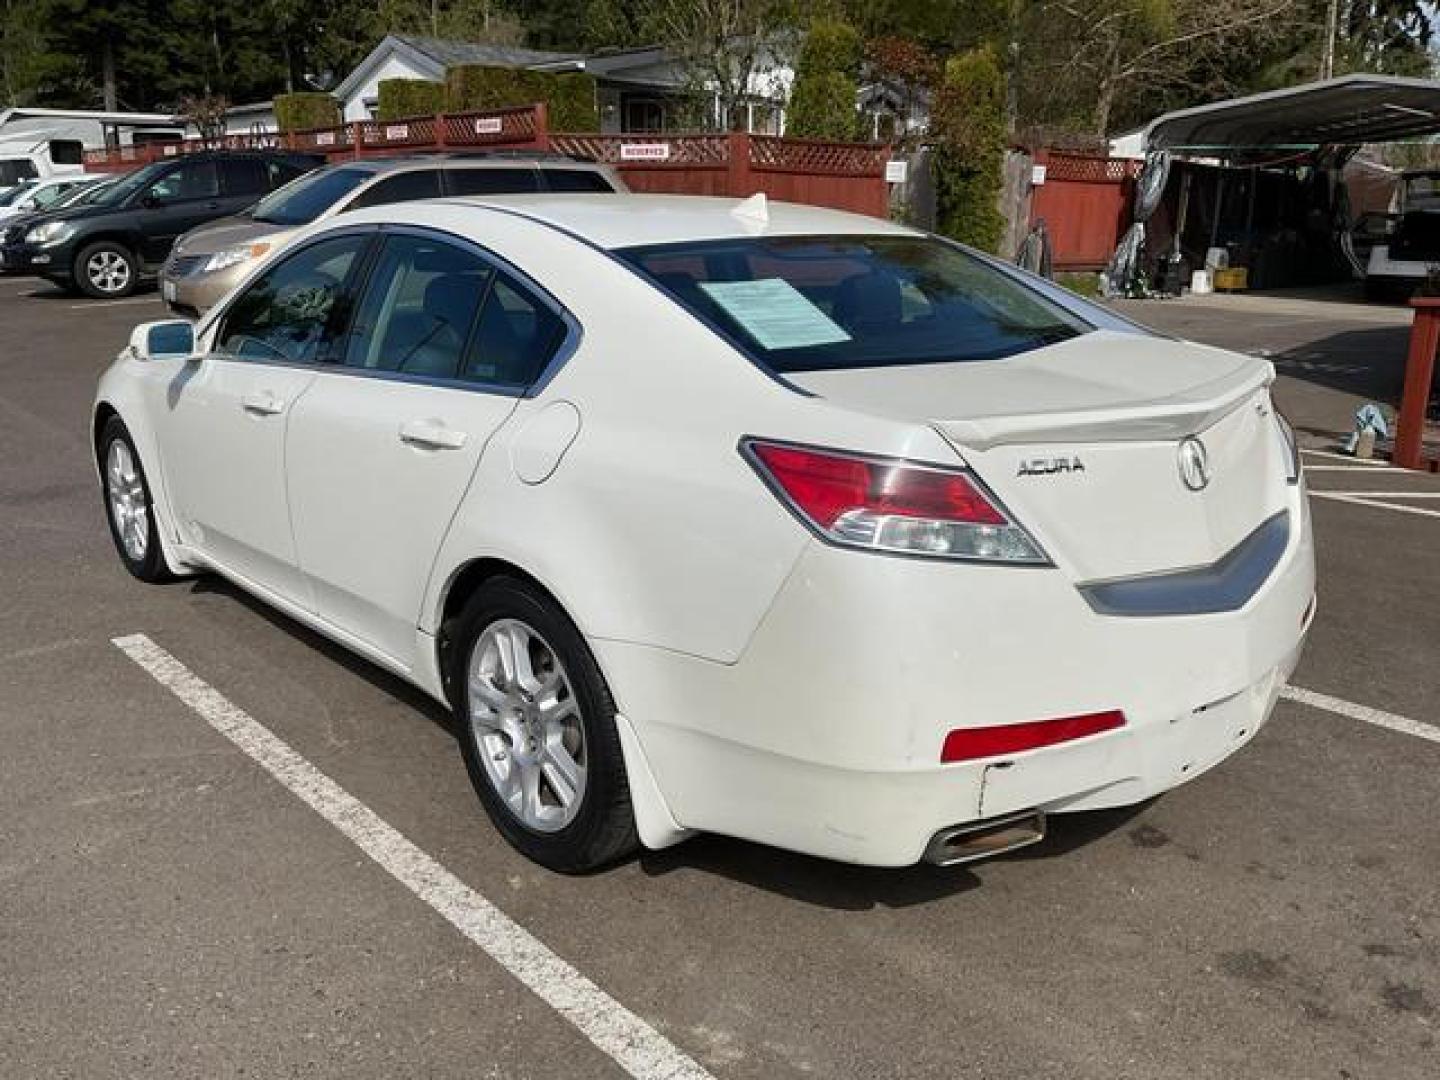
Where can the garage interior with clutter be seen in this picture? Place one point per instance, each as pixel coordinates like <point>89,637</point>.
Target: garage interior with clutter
<point>1284,190</point>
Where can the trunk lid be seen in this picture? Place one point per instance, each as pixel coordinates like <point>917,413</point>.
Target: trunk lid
<point>1082,442</point>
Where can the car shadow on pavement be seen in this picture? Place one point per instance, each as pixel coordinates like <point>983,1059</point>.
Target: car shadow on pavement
<point>844,887</point>
<point>44,290</point>
<point>1369,363</point>
<point>382,680</point>
<point>807,879</point>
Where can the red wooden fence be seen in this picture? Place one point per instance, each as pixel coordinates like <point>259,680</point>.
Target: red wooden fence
<point>846,176</point>
<point>1085,202</point>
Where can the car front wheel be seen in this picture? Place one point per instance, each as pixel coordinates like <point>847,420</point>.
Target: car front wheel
<point>106,270</point>
<point>128,505</point>
<point>537,729</point>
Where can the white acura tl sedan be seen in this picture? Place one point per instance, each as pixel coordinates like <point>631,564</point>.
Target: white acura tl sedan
<point>776,522</point>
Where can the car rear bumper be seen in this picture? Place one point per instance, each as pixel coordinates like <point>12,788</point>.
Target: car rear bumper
<point>826,736</point>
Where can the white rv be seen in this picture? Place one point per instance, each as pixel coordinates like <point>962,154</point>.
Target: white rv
<point>41,143</point>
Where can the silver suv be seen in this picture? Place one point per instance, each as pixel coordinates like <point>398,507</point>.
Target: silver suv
<point>207,261</point>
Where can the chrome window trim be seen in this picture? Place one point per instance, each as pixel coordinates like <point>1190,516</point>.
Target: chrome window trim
<point>1227,584</point>
<point>574,332</point>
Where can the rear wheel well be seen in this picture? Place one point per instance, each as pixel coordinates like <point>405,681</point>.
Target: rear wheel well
<point>466,582</point>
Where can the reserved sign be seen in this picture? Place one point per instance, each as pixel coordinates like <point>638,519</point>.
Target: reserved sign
<point>658,151</point>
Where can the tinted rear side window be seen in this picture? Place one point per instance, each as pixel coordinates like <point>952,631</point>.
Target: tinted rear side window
<point>243,177</point>
<point>516,337</point>
<point>577,180</point>
<point>14,170</point>
<point>491,181</point>
<point>815,303</point>
<point>402,187</point>
<point>302,202</point>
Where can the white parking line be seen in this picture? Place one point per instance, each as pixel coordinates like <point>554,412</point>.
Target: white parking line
<point>1365,462</point>
<point>1343,468</point>
<point>1377,504</point>
<point>1392,494</point>
<point>1349,709</point>
<point>637,1047</point>
<point>112,303</point>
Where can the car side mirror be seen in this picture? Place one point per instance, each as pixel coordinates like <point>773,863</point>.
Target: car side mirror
<point>150,200</point>
<point>166,338</point>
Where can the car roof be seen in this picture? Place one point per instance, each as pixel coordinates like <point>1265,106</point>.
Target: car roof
<point>619,221</point>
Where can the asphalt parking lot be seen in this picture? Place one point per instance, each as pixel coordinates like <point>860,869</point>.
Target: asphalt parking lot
<point>168,907</point>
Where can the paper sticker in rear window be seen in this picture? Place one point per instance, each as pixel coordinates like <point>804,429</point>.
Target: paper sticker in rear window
<point>774,313</point>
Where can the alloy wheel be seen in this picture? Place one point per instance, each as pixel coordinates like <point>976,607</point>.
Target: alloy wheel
<point>129,507</point>
<point>527,725</point>
<point>108,271</point>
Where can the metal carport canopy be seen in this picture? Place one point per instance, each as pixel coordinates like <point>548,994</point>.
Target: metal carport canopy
<point>1349,110</point>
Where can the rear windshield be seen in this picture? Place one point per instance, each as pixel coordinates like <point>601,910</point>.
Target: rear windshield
<point>818,303</point>
<point>302,201</point>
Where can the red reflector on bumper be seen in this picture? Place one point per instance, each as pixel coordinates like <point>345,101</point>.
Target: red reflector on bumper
<point>967,744</point>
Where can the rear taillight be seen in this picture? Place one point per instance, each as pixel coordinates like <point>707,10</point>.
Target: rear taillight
<point>968,744</point>
<point>891,505</point>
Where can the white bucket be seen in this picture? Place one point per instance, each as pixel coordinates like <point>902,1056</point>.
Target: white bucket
<point>1200,283</point>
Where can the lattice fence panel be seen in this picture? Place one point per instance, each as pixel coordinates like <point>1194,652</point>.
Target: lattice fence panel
<point>491,126</point>
<point>817,157</point>
<point>1088,169</point>
<point>659,151</point>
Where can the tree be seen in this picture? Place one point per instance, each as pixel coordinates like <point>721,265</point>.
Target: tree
<point>728,47</point>
<point>968,126</point>
<point>822,101</point>
<point>1110,46</point>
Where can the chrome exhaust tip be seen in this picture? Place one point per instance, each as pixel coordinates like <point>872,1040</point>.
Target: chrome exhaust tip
<point>982,839</point>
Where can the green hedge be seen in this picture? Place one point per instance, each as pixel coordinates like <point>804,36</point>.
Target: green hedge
<point>297,112</point>
<point>399,98</point>
<point>822,106</point>
<point>570,97</point>
<point>968,125</point>
<point>822,102</point>
<point>831,45</point>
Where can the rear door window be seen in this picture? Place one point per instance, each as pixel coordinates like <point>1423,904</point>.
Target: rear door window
<point>419,308</point>
<point>402,187</point>
<point>245,176</point>
<point>504,181</point>
<point>517,337</point>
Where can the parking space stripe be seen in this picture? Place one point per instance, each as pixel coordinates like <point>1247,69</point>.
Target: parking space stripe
<point>112,303</point>
<point>1365,713</point>
<point>1377,504</point>
<point>1395,493</point>
<point>637,1047</point>
<point>1363,462</point>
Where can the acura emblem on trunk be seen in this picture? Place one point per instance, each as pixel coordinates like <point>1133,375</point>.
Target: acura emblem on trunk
<point>1194,464</point>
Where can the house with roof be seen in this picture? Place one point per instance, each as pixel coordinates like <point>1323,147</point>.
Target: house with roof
<point>638,90</point>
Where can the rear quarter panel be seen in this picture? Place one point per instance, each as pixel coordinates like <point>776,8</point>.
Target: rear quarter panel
<point>653,529</point>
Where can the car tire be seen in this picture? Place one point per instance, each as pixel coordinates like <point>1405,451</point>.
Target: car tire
<point>129,508</point>
<point>534,728</point>
<point>106,270</point>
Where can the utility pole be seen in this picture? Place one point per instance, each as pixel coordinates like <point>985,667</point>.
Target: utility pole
<point>1327,59</point>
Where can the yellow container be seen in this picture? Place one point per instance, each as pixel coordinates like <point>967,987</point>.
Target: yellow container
<point>1232,279</point>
